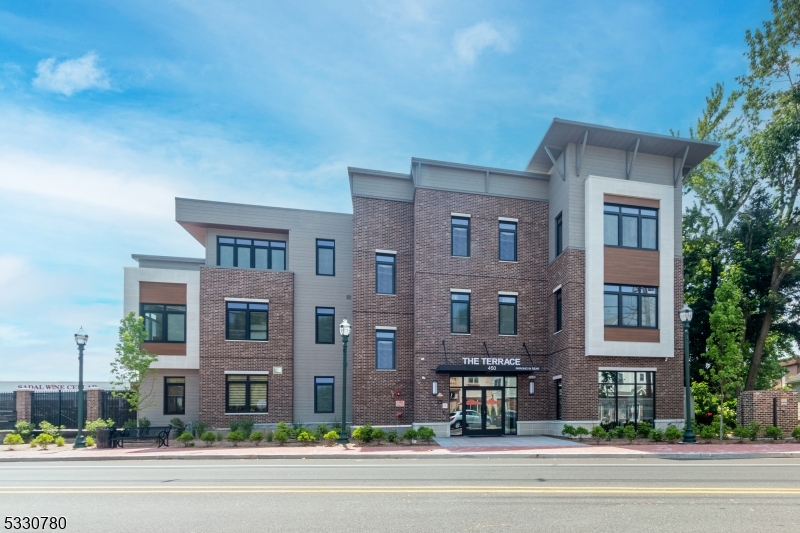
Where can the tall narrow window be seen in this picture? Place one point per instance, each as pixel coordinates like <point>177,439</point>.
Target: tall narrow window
<point>459,236</point>
<point>559,390</point>
<point>459,312</point>
<point>508,315</point>
<point>246,393</point>
<point>508,241</point>
<point>326,257</point>
<point>251,253</point>
<point>558,310</point>
<point>323,395</point>
<point>629,306</point>
<point>325,318</point>
<point>384,273</point>
<point>163,322</point>
<point>559,235</point>
<point>174,395</point>
<point>631,227</point>
<point>385,344</point>
<point>247,321</point>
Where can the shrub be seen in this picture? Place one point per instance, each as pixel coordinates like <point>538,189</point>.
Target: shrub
<point>283,426</point>
<point>281,436</point>
<point>246,427</point>
<point>306,437</point>
<point>629,432</point>
<point>268,435</point>
<point>199,428</point>
<point>178,425</point>
<point>60,442</point>
<point>256,437</point>
<point>410,435</point>
<point>24,430</point>
<point>322,429</point>
<point>92,427</point>
<point>755,430</point>
<point>13,439</point>
<point>219,436</point>
<point>186,438</point>
<point>208,437</point>
<point>44,440</point>
<point>672,433</point>
<point>796,433</point>
<point>568,431</point>
<point>297,428</point>
<point>656,435</point>
<point>425,434</point>
<point>90,441</point>
<point>363,434</point>
<point>643,430</point>
<point>129,423</point>
<point>618,432</point>
<point>773,432</point>
<point>707,433</point>
<point>50,429</point>
<point>378,435</point>
<point>581,432</point>
<point>235,437</point>
<point>741,432</point>
<point>391,436</point>
<point>233,425</point>
<point>598,433</point>
<point>144,422</point>
<point>331,437</point>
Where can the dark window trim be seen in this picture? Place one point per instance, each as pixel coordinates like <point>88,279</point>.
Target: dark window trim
<point>559,311</point>
<point>394,272</point>
<point>500,305</point>
<point>559,234</point>
<point>253,248</point>
<point>635,383</point>
<point>316,324</point>
<point>246,394</point>
<point>166,320</point>
<point>394,348</point>
<point>469,313</point>
<point>333,393</point>
<point>639,217</point>
<point>327,247</point>
<point>469,235</point>
<point>500,231</point>
<point>559,397</point>
<point>639,310</point>
<point>246,320</point>
<point>166,395</point>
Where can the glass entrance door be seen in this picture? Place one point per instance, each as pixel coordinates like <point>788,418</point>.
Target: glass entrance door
<point>483,411</point>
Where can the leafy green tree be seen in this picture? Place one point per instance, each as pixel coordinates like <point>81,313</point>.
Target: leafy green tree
<point>131,369</point>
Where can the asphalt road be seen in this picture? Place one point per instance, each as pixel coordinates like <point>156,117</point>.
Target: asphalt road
<point>429,495</point>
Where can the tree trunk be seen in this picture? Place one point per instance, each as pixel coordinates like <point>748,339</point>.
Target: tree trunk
<point>758,351</point>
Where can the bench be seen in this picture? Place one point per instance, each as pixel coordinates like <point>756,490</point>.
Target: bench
<point>158,434</point>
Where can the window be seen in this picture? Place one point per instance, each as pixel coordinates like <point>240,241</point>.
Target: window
<point>246,393</point>
<point>626,397</point>
<point>247,321</point>
<point>251,253</point>
<point>384,273</point>
<point>459,312</point>
<point>508,241</point>
<point>558,310</point>
<point>174,396</point>
<point>323,395</point>
<point>326,257</point>
<point>164,322</point>
<point>385,344</point>
<point>508,315</point>
<point>325,316</point>
<point>632,307</point>
<point>631,227</point>
<point>559,235</point>
<point>459,236</point>
<point>559,391</point>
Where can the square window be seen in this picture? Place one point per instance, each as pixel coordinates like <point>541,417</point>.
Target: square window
<point>246,393</point>
<point>164,323</point>
<point>247,321</point>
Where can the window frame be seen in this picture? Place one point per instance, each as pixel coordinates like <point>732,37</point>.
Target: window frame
<point>500,305</point>
<point>639,295</point>
<point>322,245</point>
<point>559,311</point>
<point>461,226</point>
<point>469,312</point>
<point>247,311</point>
<point>317,314</point>
<point>394,347</point>
<point>269,246</point>
<point>559,384</point>
<point>636,398</point>
<point>559,234</point>
<point>247,393</point>
<point>167,386</point>
<point>639,217</point>
<point>394,271</point>
<point>165,314</point>
<point>500,231</point>
<point>332,385</point>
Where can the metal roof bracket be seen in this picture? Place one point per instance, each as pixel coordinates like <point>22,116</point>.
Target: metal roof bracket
<point>553,160</point>
<point>679,170</point>
<point>579,155</point>
<point>629,165</point>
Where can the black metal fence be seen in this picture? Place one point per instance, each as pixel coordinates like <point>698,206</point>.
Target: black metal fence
<point>59,408</point>
<point>8,409</point>
<point>115,408</point>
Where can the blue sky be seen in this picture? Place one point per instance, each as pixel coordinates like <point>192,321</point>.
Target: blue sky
<point>108,110</point>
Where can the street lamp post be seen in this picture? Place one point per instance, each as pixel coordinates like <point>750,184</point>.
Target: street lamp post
<point>344,331</point>
<point>81,338</point>
<point>685,315</point>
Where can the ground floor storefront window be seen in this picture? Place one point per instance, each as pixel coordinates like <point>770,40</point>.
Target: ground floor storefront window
<point>626,397</point>
<point>483,405</point>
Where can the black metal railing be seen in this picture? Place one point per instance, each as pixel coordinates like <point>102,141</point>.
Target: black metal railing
<point>59,408</point>
<point>8,410</point>
<point>115,408</point>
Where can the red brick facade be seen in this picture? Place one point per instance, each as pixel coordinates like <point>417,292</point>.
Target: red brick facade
<point>768,407</point>
<point>218,355</point>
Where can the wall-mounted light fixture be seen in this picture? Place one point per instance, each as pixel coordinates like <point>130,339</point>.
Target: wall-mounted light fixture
<point>435,388</point>
<point>531,387</point>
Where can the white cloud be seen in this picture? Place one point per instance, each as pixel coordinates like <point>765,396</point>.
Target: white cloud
<point>71,76</point>
<point>470,42</point>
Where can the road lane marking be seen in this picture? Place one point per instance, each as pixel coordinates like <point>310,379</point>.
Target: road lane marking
<point>689,464</point>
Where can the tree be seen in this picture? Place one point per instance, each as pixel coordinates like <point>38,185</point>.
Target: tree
<point>131,369</point>
<point>724,352</point>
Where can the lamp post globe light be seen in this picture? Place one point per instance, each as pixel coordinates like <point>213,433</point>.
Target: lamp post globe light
<point>81,338</point>
<point>685,314</point>
<point>344,331</point>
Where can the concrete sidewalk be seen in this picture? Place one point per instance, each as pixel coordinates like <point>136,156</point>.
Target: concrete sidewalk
<point>666,451</point>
